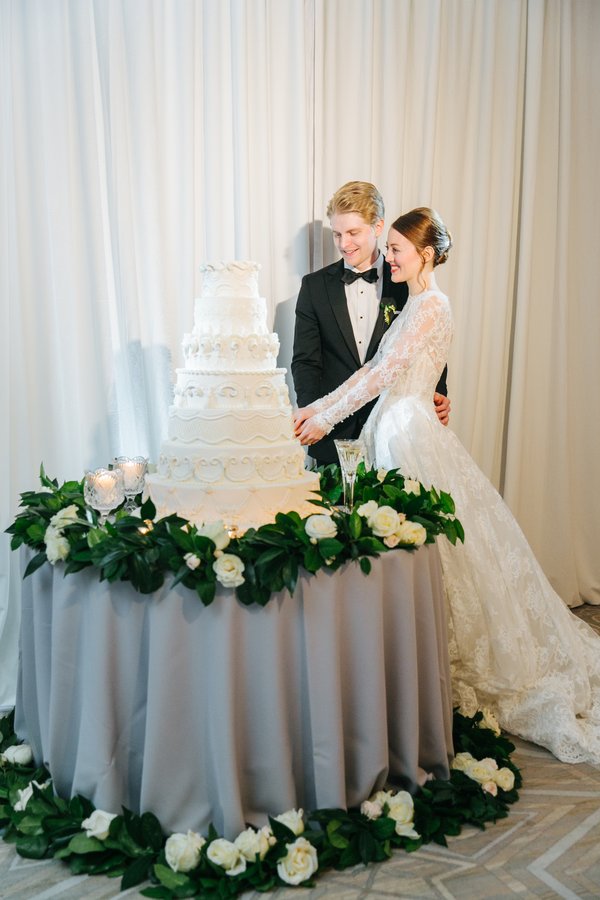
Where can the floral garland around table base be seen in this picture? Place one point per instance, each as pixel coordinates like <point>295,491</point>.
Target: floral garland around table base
<point>293,849</point>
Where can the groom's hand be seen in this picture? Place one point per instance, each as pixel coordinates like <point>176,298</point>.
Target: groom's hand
<point>442,408</point>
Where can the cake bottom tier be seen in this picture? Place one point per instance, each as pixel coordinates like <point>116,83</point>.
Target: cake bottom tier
<point>241,506</point>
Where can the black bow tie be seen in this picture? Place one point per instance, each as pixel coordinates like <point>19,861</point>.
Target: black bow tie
<point>349,277</point>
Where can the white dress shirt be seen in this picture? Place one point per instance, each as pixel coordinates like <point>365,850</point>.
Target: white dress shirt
<point>363,301</point>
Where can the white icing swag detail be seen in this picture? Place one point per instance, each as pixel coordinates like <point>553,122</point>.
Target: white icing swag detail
<point>231,452</point>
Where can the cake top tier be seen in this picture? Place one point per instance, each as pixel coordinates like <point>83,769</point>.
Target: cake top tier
<point>230,279</point>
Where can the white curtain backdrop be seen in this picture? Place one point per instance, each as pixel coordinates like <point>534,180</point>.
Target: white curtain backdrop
<point>139,138</point>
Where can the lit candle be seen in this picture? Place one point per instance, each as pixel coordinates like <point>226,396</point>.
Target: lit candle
<point>103,490</point>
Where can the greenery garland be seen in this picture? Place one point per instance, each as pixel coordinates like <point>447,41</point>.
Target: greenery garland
<point>293,849</point>
<point>390,512</point>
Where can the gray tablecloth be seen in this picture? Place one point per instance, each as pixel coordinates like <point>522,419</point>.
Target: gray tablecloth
<point>226,714</point>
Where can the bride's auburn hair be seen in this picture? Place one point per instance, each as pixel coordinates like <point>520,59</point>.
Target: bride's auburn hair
<point>423,227</point>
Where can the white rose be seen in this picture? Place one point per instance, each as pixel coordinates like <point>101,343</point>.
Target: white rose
<point>505,779</point>
<point>66,516</point>
<point>266,830</point>
<point>406,829</point>
<point>368,509</point>
<point>401,808</point>
<point>482,770</point>
<point>490,787</point>
<point>97,824</point>
<point>411,533</point>
<point>253,843</point>
<point>225,854</point>
<point>192,561</point>
<point>182,851</point>
<point>384,522</point>
<point>320,526</point>
<point>25,795</point>
<point>57,546</point>
<point>381,473</point>
<point>294,819</point>
<point>18,755</point>
<point>370,809</point>
<point>411,486</point>
<point>382,797</point>
<point>462,761</point>
<point>490,721</point>
<point>228,569</point>
<point>217,532</point>
<point>300,864</point>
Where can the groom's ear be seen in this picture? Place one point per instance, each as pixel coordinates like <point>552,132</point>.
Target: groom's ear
<point>378,227</point>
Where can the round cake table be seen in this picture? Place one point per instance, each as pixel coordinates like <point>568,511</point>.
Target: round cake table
<point>226,713</point>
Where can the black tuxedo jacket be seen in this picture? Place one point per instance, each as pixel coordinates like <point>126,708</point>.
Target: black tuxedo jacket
<point>325,352</point>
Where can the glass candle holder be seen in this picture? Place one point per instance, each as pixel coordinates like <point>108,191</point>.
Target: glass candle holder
<point>350,454</point>
<point>134,470</point>
<point>103,490</point>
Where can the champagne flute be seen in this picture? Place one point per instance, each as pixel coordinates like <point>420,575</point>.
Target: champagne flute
<point>350,453</point>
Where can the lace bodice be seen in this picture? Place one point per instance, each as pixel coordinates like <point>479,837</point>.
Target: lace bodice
<point>409,361</point>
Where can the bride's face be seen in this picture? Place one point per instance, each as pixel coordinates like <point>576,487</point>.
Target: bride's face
<point>405,260</point>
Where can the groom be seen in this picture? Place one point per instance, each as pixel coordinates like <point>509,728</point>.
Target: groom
<point>344,309</point>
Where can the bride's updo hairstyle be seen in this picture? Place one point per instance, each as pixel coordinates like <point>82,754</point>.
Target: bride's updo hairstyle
<point>424,228</point>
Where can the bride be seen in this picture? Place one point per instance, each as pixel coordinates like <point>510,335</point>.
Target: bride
<point>514,645</point>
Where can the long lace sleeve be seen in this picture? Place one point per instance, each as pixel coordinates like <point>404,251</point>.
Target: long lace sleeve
<point>427,328</point>
<point>329,399</point>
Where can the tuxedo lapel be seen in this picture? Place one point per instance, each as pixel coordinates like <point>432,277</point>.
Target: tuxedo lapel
<point>339,306</point>
<point>388,297</point>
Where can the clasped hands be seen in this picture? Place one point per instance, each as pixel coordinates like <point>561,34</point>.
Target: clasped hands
<point>305,429</point>
<point>309,432</point>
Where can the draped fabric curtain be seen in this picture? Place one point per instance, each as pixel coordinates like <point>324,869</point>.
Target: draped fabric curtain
<point>140,138</point>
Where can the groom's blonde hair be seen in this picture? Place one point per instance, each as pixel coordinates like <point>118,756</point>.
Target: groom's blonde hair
<point>360,197</point>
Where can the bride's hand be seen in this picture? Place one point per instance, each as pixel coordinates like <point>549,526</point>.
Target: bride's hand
<point>300,416</point>
<point>305,428</point>
<point>309,432</point>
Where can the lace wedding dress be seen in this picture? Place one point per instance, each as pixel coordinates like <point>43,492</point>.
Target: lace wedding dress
<point>514,645</point>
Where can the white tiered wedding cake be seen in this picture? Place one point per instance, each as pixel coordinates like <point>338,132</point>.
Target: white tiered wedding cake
<point>231,453</point>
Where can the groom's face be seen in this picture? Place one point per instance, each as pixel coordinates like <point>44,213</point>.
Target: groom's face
<point>355,239</point>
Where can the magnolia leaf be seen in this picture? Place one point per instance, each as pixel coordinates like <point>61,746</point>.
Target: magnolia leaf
<point>312,558</point>
<point>81,843</point>
<point>365,564</point>
<point>335,839</point>
<point>95,536</point>
<point>138,871</point>
<point>367,847</point>
<point>169,878</point>
<point>34,564</point>
<point>355,525</point>
<point>349,857</point>
<point>281,832</point>
<point>32,846</point>
<point>206,591</point>
<point>152,831</point>
<point>30,824</point>
<point>290,574</point>
<point>329,547</point>
<point>147,510</point>
<point>383,828</point>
